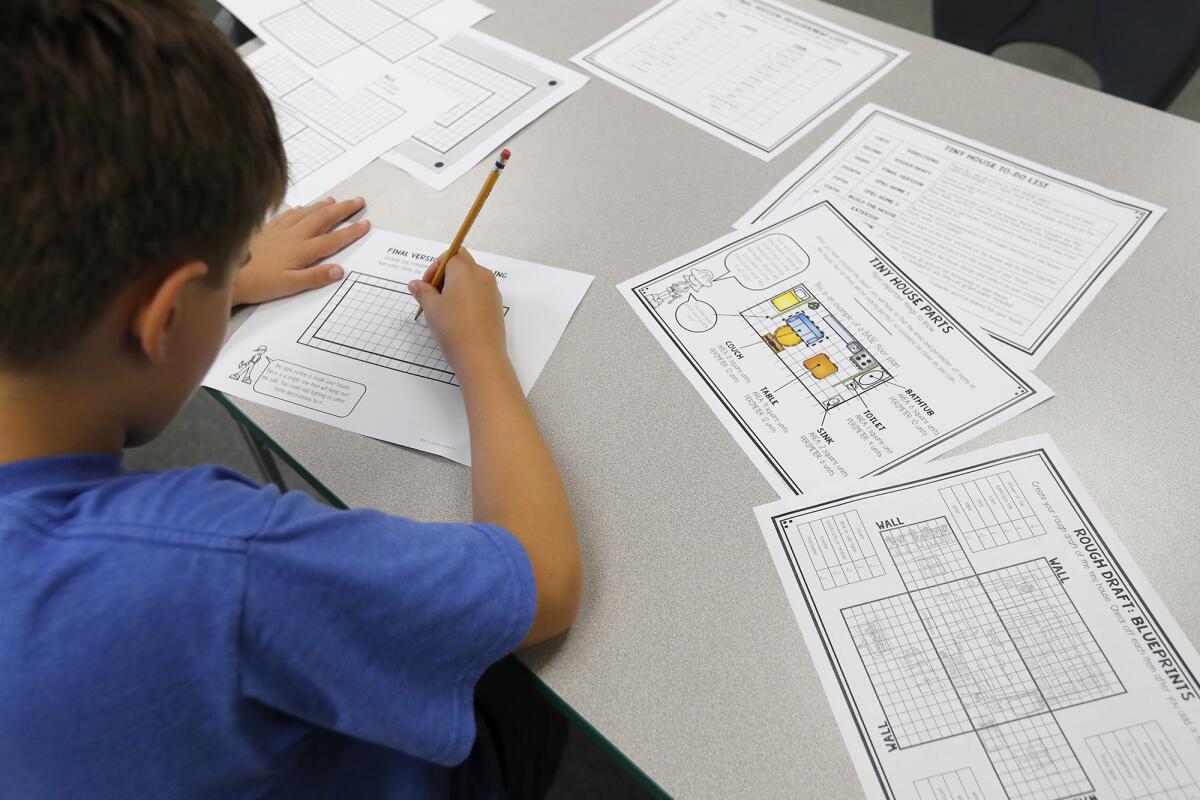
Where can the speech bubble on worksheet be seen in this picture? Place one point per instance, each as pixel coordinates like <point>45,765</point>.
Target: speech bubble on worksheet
<point>765,261</point>
<point>310,388</point>
<point>695,315</point>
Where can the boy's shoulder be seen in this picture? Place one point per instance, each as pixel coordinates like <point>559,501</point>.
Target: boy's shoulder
<point>91,495</point>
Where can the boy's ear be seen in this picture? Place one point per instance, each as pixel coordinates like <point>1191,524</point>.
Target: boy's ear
<point>159,309</point>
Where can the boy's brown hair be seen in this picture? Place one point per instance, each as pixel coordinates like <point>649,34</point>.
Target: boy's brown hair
<point>132,139</point>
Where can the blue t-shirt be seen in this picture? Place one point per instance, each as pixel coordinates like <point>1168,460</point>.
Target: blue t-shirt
<point>191,634</point>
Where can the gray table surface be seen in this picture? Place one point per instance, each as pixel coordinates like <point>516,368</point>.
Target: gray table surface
<point>685,654</point>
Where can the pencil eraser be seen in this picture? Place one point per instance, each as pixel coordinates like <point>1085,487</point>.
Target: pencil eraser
<point>506,154</point>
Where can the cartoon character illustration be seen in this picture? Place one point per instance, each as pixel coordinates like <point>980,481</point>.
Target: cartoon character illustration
<point>689,282</point>
<point>246,368</point>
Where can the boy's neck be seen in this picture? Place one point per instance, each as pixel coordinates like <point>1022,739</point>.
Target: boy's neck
<point>51,413</point>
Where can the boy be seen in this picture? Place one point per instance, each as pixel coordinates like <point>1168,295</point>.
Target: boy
<point>192,634</point>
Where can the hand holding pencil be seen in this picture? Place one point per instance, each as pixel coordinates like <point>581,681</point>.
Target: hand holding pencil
<point>463,302</point>
<point>481,198</point>
<point>466,317</point>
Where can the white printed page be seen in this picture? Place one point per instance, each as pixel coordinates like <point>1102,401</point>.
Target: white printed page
<point>346,44</point>
<point>1017,247</point>
<point>352,356</point>
<point>755,73</point>
<point>495,89</point>
<point>823,358</point>
<point>982,633</point>
<point>328,138</point>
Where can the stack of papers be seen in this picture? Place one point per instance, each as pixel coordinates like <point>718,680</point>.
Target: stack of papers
<point>354,79</point>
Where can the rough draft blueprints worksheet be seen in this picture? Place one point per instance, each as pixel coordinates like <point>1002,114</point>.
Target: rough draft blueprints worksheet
<point>495,89</point>
<point>755,73</point>
<point>352,356</point>
<point>982,634</point>
<point>346,44</point>
<point>327,137</point>
<point>824,359</point>
<point>1019,248</point>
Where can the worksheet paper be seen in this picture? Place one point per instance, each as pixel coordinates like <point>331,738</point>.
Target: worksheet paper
<point>754,73</point>
<point>824,359</point>
<point>1017,247</point>
<point>982,634</point>
<point>496,90</point>
<point>352,356</point>
<point>328,138</point>
<point>346,44</point>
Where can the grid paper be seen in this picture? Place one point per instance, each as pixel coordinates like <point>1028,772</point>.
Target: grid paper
<point>280,75</point>
<point>359,19</point>
<point>307,152</point>
<point>1034,760</point>
<point>926,553</point>
<point>1010,649</point>
<point>401,41</point>
<point>918,699</point>
<point>353,120</point>
<point>408,8</point>
<point>484,93</point>
<point>289,124</point>
<point>309,36</point>
<point>370,319</point>
<point>320,31</point>
<point>985,666</point>
<point>1059,648</point>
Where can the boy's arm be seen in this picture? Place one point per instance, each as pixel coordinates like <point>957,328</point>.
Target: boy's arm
<point>283,253</point>
<point>515,482</point>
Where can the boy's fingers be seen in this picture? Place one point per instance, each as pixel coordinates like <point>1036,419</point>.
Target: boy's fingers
<point>424,293</point>
<point>284,218</point>
<point>431,270</point>
<point>297,213</point>
<point>314,277</point>
<point>326,245</point>
<point>325,217</point>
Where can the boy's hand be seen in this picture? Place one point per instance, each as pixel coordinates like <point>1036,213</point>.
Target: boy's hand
<point>466,316</point>
<point>283,253</point>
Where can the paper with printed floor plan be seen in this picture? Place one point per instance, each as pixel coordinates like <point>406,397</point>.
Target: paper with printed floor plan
<point>495,90</point>
<point>823,358</point>
<point>1018,248</point>
<point>328,138</point>
<point>346,44</point>
<point>982,634</point>
<point>754,73</point>
<point>352,356</point>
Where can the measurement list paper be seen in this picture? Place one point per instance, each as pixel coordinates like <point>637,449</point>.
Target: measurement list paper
<point>1019,248</point>
<point>982,634</point>
<point>754,73</point>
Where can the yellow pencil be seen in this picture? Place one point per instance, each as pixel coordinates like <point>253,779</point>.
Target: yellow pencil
<point>439,275</point>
